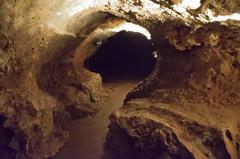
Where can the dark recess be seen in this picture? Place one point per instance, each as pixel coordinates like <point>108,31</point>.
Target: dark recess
<point>6,136</point>
<point>126,55</point>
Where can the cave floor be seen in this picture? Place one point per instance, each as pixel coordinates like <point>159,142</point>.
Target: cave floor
<point>87,136</point>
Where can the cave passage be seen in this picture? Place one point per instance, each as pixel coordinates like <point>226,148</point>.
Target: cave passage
<point>125,55</point>
<point>123,60</point>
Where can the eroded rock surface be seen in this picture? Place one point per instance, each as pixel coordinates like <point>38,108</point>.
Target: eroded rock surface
<point>193,109</point>
<point>193,94</point>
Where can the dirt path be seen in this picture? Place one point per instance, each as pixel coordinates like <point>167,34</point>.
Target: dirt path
<point>87,136</point>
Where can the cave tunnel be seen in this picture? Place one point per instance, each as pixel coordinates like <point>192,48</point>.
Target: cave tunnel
<point>81,79</point>
<point>125,55</point>
<point>122,60</point>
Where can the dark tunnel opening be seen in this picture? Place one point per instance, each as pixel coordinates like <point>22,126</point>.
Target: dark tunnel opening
<point>125,55</point>
<point>122,60</point>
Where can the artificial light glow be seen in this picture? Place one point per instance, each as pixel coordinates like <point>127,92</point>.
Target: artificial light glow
<point>150,6</point>
<point>155,54</point>
<point>61,32</point>
<point>78,6</point>
<point>235,16</point>
<point>133,28</point>
<point>187,4</point>
<point>191,4</point>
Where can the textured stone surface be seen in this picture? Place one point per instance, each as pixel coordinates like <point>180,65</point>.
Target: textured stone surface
<point>193,109</point>
<point>43,81</point>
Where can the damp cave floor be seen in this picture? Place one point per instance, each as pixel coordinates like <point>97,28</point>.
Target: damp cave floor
<point>87,136</point>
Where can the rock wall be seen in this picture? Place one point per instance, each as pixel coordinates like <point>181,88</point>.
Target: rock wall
<point>43,84</point>
<point>193,109</point>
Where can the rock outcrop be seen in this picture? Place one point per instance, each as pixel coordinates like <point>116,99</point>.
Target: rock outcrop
<point>193,109</point>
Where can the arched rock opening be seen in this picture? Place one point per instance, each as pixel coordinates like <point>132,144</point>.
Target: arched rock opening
<point>124,56</point>
<point>39,80</point>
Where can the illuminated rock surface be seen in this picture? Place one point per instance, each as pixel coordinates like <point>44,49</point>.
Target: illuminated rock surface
<point>187,108</point>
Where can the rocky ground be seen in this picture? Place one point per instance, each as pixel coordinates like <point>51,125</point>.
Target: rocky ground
<point>87,136</point>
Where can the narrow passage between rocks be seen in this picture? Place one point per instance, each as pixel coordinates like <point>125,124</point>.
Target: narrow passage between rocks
<point>123,61</point>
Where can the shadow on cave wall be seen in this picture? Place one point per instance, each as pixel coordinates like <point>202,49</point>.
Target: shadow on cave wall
<point>127,55</point>
<point>119,145</point>
<point>6,135</point>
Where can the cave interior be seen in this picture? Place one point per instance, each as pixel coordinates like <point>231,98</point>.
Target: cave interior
<point>117,79</point>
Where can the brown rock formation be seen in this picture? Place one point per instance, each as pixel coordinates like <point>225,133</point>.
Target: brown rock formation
<point>187,108</point>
